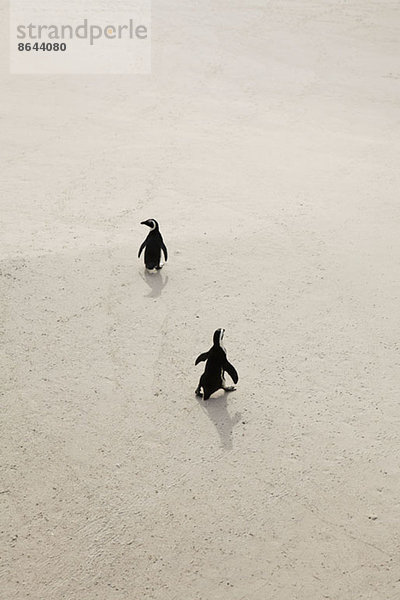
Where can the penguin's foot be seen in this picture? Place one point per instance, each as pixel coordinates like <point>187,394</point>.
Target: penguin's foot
<point>159,267</point>
<point>228,388</point>
<point>198,392</point>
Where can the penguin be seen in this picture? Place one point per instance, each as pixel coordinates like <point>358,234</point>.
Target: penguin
<point>217,363</point>
<point>154,243</point>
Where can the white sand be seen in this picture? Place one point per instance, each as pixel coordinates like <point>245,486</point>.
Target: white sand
<point>266,143</point>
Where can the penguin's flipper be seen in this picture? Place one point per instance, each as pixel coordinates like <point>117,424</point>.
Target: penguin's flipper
<point>201,357</point>
<point>230,369</point>
<point>164,249</point>
<point>142,247</point>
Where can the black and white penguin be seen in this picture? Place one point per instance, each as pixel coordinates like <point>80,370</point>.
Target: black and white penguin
<point>216,365</point>
<point>154,243</point>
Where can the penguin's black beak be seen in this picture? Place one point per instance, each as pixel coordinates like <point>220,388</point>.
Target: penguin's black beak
<point>145,223</point>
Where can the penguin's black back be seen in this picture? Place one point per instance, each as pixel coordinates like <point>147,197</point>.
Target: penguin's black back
<point>213,376</point>
<point>152,253</point>
<point>216,360</point>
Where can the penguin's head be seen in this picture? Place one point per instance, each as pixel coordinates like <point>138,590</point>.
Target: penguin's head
<point>152,223</point>
<point>218,337</point>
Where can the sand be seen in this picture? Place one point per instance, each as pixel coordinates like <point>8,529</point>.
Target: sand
<point>266,144</point>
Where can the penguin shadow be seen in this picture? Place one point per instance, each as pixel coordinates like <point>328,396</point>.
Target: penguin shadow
<point>156,282</point>
<point>217,411</point>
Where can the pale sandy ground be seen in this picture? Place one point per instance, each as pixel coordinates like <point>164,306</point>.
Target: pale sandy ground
<point>266,142</point>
